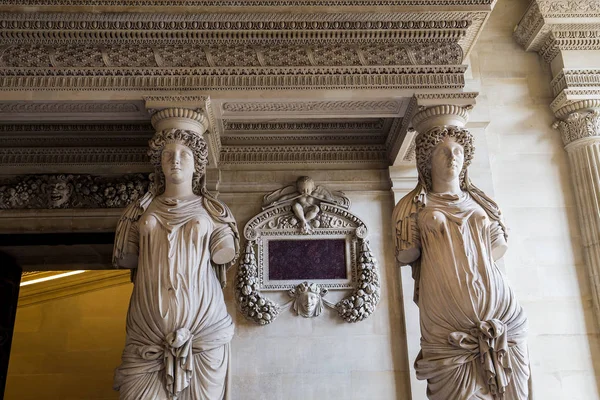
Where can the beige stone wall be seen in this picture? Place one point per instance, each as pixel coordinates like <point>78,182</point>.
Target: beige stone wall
<point>324,357</point>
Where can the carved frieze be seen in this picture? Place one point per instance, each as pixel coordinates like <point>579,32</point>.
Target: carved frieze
<point>71,191</point>
<point>22,156</point>
<point>303,154</point>
<point>255,3</point>
<point>375,124</point>
<point>314,107</point>
<point>242,78</point>
<point>575,78</point>
<point>308,244</point>
<point>229,55</point>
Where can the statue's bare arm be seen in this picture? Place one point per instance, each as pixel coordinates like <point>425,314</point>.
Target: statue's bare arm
<point>130,258</point>
<point>499,247</point>
<point>224,251</point>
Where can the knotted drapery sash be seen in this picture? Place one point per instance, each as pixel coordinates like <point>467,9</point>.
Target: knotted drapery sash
<point>489,342</point>
<point>174,355</point>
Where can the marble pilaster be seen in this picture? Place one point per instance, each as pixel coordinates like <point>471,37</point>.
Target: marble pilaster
<point>579,125</point>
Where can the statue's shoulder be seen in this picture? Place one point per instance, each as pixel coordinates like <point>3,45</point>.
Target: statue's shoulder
<point>410,204</point>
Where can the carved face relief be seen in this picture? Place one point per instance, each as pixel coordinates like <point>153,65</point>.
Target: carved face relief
<point>305,185</point>
<point>447,160</point>
<point>58,193</point>
<point>177,162</point>
<point>308,300</point>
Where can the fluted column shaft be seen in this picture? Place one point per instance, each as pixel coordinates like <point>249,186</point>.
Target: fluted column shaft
<point>580,131</point>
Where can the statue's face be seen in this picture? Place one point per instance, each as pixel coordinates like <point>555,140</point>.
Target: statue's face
<point>58,193</point>
<point>177,162</point>
<point>447,160</point>
<point>309,302</point>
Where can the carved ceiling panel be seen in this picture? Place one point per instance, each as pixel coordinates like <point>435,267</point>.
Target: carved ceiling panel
<point>343,48</point>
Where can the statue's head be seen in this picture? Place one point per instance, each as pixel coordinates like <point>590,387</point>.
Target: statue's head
<point>445,153</point>
<point>59,191</point>
<point>308,299</point>
<point>178,156</point>
<point>305,185</point>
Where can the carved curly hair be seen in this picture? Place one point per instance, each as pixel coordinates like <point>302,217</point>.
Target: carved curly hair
<point>190,139</point>
<point>426,143</point>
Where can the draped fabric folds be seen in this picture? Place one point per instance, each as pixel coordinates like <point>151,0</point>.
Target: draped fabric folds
<point>472,328</point>
<point>178,328</point>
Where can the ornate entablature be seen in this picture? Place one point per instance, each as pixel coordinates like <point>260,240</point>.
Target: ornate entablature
<point>306,242</point>
<point>239,51</point>
<point>571,28</point>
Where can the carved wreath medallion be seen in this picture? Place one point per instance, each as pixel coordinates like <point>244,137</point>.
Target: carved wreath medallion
<point>305,242</point>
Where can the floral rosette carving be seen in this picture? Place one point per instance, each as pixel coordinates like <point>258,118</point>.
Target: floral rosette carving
<point>251,303</point>
<point>364,299</point>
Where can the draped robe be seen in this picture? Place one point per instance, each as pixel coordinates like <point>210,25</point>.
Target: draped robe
<point>472,328</point>
<point>178,328</point>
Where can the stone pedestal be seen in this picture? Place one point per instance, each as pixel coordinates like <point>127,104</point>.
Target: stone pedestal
<point>580,130</point>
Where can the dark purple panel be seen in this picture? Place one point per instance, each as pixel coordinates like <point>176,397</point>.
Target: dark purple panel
<point>307,259</point>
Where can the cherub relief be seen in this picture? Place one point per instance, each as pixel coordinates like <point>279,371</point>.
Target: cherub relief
<point>305,198</point>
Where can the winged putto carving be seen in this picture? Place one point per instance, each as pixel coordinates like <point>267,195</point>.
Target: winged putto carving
<point>305,199</point>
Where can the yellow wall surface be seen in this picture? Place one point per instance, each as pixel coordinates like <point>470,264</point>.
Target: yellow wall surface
<point>68,348</point>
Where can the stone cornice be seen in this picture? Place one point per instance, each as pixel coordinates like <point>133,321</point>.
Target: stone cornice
<point>239,51</point>
<point>549,26</point>
<point>248,4</point>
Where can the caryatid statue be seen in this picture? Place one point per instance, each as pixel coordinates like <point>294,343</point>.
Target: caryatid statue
<point>473,330</point>
<point>180,239</point>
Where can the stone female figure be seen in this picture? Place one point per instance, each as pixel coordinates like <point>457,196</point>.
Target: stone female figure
<point>180,239</point>
<point>472,327</point>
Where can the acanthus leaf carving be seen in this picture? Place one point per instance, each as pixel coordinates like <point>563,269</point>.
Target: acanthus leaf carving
<point>579,125</point>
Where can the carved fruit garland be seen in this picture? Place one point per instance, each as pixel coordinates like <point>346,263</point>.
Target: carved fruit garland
<point>288,213</point>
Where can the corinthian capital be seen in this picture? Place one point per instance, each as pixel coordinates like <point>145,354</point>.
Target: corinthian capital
<point>579,120</point>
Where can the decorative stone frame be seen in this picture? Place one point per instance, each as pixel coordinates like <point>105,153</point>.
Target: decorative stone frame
<point>280,221</point>
<point>267,284</point>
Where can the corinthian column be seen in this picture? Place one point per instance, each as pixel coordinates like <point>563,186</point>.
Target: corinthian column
<point>579,125</point>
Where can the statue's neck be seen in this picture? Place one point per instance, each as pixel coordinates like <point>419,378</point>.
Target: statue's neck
<point>446,187</point>
<point>179,191</point>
